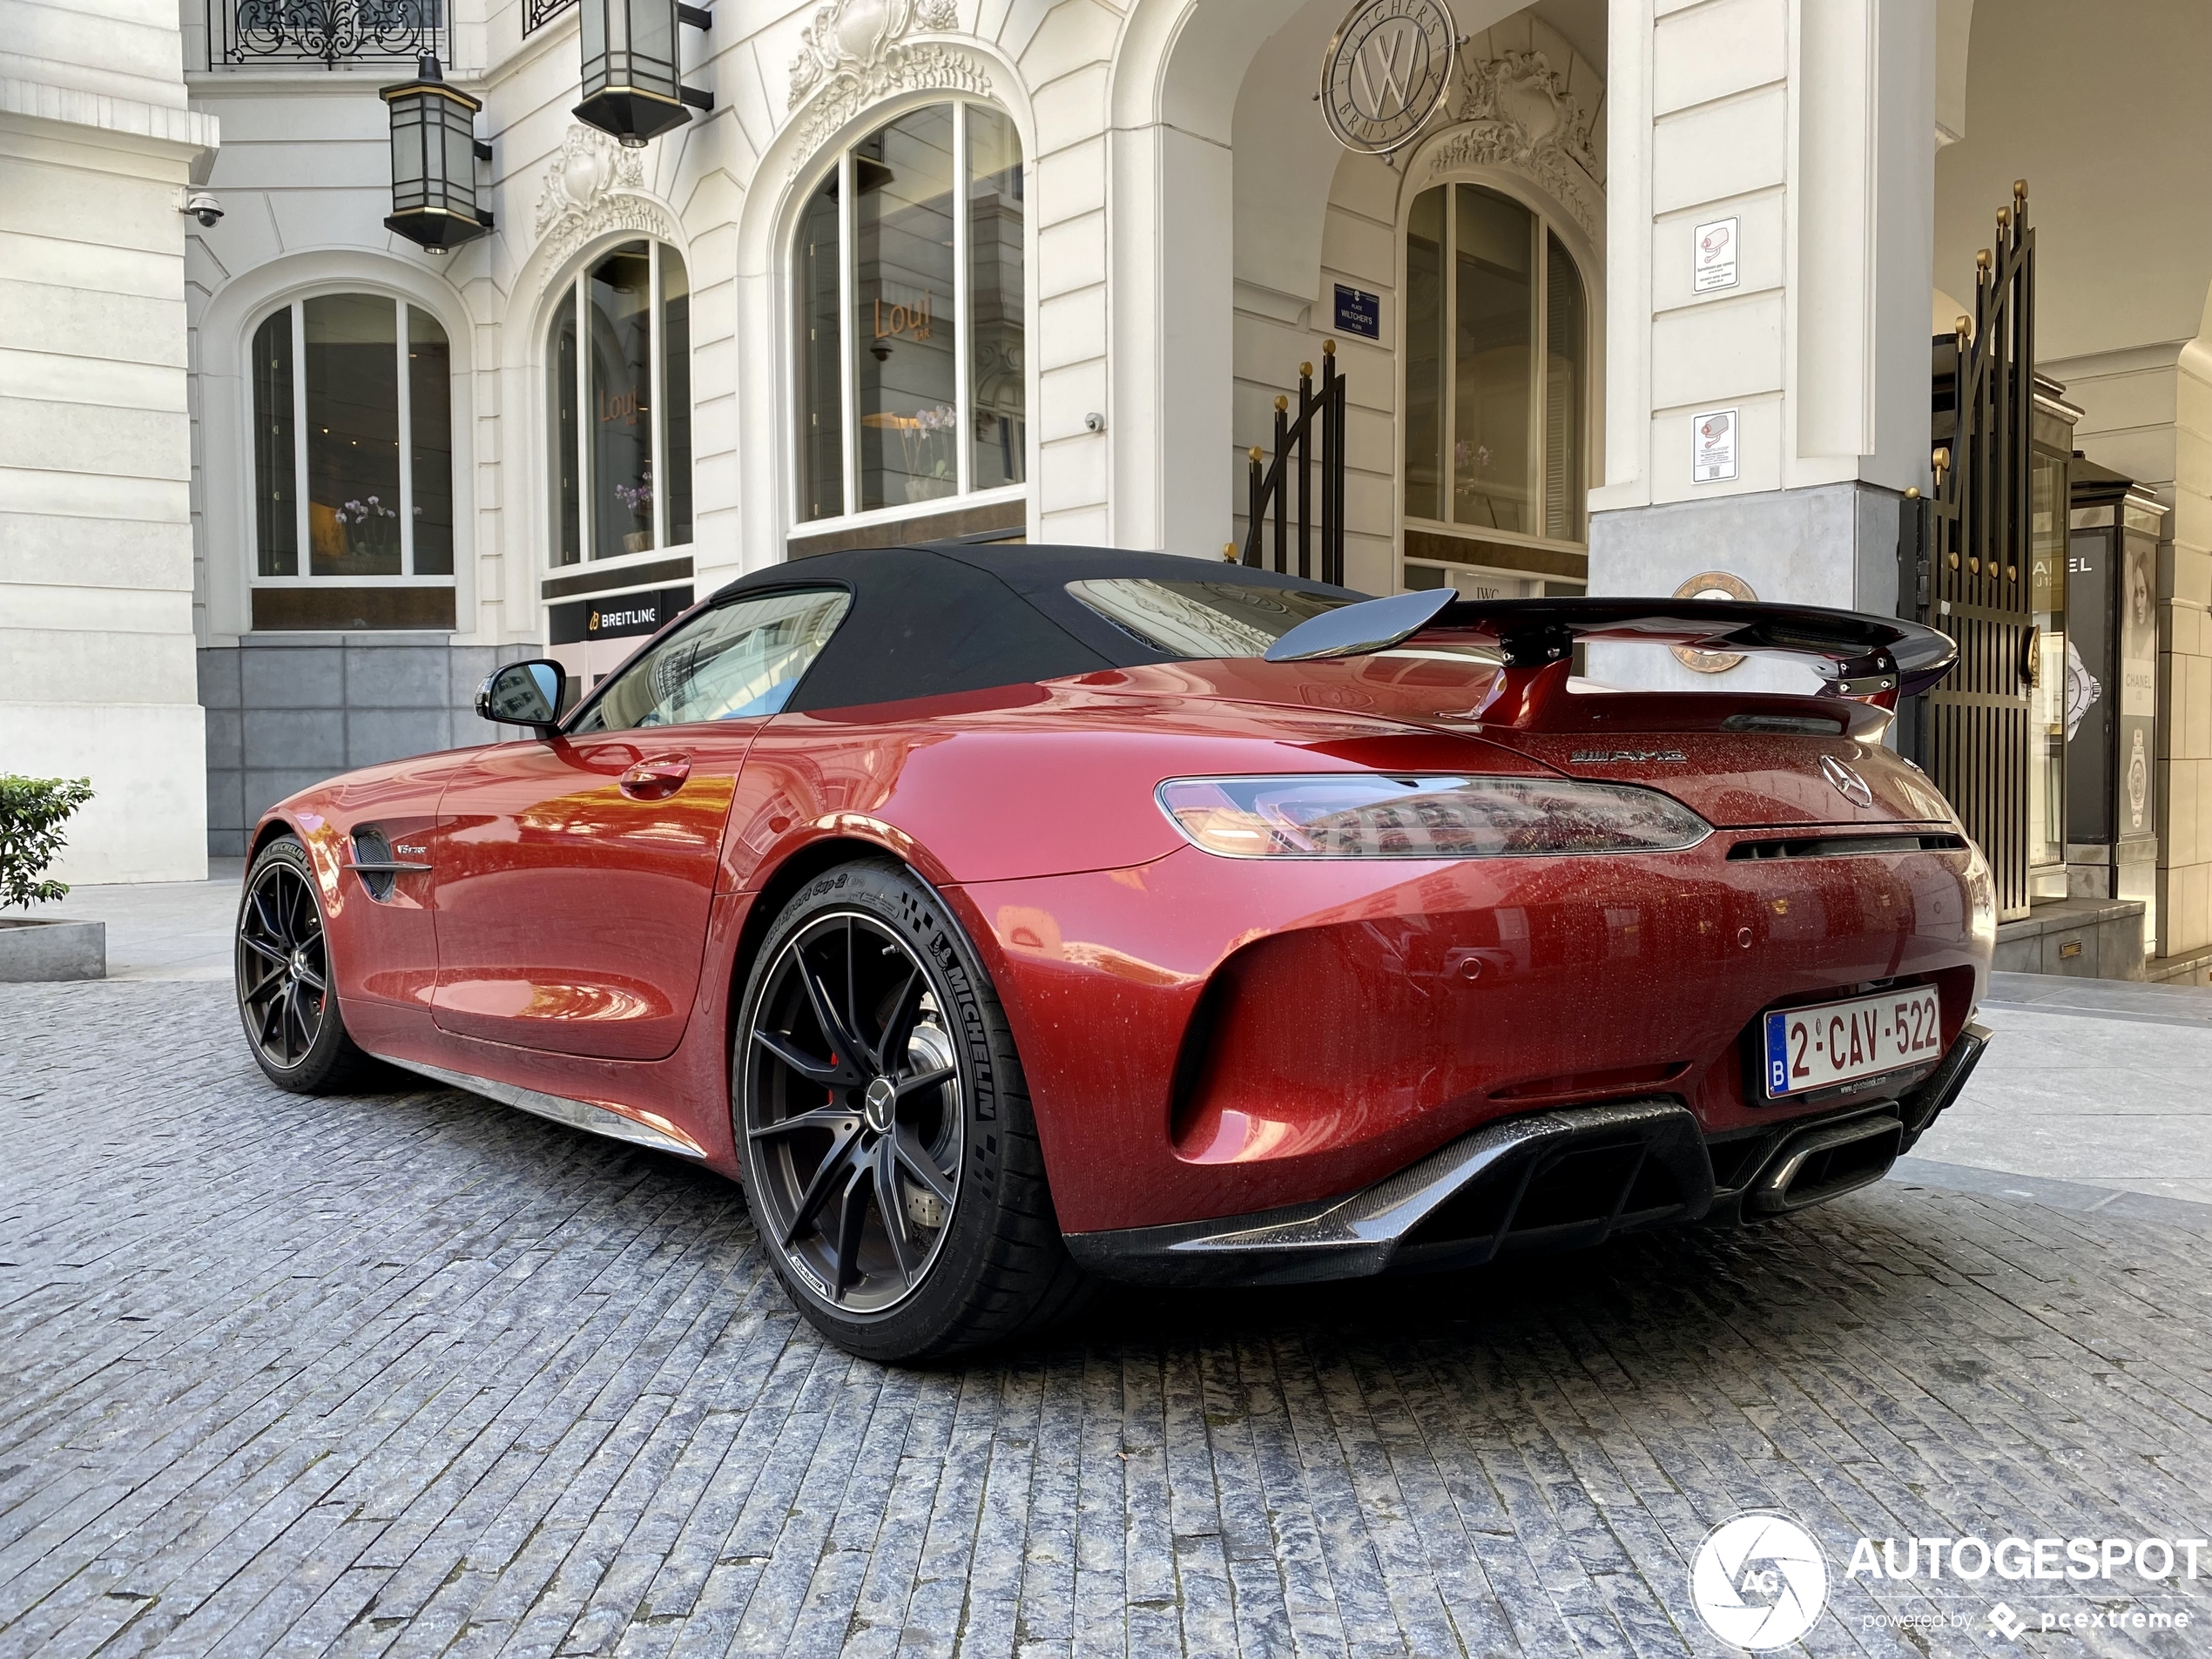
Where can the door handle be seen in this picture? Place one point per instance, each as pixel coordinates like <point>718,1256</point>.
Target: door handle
<point>656,778</point>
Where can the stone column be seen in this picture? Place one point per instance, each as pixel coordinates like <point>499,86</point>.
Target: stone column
<point>97,672</point>
<point>1797,136</point>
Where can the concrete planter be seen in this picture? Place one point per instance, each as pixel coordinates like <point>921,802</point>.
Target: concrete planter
<point>32,948</point>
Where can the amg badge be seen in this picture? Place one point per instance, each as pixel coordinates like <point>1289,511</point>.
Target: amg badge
<point>1599,757</point>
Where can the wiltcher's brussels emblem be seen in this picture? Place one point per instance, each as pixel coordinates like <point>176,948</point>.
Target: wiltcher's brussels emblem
<point>1386,70</point>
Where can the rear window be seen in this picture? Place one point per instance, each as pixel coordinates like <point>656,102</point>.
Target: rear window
<point>1203,619</point>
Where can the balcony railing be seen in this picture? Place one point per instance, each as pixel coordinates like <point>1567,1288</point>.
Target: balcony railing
<point>538,13</point>
<point>335,33</point>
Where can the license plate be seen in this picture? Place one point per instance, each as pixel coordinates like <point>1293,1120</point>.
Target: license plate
<point>1837,1043</point>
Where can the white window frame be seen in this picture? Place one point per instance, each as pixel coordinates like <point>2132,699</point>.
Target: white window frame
<point>577,301</point>
<point>1546,228</point>
<point>406,577</point>
<point>965,495</point>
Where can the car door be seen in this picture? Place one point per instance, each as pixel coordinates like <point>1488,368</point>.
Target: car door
<point>574,874</point>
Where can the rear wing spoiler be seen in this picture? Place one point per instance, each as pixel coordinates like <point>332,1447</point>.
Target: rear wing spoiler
<point>1873,658</point>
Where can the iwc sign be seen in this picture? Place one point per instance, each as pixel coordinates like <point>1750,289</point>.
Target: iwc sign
<point>1387,69</point>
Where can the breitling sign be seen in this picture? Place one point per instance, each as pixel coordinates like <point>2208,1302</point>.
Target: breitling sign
<point>1386,70</point>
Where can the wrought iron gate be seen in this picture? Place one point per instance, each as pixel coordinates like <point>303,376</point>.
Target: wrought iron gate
<point>1964,559</point>
<point>1270,486</point>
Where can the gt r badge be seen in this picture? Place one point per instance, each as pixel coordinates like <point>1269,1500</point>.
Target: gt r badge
<point>1599,757</point>
<point>1848,784</point>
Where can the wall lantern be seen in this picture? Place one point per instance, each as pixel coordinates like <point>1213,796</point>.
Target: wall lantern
<point>434,151</point>
<point>632,85</point>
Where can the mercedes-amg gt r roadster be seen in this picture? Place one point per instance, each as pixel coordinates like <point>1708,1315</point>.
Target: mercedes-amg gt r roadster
<point>1009,919</point>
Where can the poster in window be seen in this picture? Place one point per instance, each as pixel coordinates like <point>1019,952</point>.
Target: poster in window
<point>2138,681</point>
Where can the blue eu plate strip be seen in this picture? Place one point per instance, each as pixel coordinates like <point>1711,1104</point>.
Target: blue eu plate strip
<point>1778,1055</point>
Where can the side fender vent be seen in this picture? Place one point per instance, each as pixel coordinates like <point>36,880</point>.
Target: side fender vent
<point>371,848</point>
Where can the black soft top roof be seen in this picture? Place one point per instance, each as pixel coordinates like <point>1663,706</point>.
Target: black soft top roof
<point>943,616</point>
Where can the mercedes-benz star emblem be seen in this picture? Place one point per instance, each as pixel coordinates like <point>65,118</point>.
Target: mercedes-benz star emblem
<point>1848,784</point>
<point>1387,69</point>
<point>881,1104</point>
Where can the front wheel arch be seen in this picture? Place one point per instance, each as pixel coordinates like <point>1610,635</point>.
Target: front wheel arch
<point>273,829</point>
<point>816,858</point>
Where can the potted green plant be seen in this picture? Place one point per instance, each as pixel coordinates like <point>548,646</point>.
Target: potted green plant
<point>33,812</point>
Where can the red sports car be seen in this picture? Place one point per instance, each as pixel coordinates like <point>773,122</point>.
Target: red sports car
<point>1005,919</point>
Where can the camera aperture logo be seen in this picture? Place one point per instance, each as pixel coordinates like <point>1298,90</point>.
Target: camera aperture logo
<point>1758,1582</point>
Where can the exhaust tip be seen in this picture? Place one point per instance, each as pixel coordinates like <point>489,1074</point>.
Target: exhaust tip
<point>1827,1160</point>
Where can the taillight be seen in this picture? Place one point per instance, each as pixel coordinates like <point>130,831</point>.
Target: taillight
<point>1368,815</point>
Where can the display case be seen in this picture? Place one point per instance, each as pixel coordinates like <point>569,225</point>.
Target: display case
<point>2111,700</point>
<point>2051,453</point>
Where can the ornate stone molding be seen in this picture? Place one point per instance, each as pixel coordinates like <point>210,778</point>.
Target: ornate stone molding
<point>857,51</point>
<point>592,187</point>
<point>614,213</point>
<point>588,166</point>
<point>1516,112</point>
<point>850,39</point>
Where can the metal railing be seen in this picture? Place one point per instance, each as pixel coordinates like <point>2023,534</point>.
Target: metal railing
<point>336,34</point>
<point>538,13</point>
<point>1271,485</point>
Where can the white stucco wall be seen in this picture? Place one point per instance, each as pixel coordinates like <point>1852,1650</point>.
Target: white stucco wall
<point>1811,123</point>
<point>96,627</point>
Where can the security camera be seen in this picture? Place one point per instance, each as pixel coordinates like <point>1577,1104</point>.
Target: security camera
<point>203,206</point>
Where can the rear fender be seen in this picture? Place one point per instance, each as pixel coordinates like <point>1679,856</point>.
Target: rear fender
<point>1047,787</point>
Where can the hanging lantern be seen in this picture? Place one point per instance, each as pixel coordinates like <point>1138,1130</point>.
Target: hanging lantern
<point>434,151</point>
<point>631,83</point>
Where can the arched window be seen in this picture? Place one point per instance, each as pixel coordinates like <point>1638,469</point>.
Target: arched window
<point>618,392</point>
<point>909,300</point>
<point>1497,355</point>
<point>353,440</point>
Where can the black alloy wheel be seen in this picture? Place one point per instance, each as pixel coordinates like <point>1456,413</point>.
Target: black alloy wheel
<point>856,1119</point>
<point>283,972</point>
<point>884,1129</point>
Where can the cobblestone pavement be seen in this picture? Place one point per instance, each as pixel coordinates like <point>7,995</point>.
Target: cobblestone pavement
<point>411,1374</point>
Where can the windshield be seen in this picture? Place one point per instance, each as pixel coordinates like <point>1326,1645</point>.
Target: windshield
<point>735,660</point>
<point>1203,618</point>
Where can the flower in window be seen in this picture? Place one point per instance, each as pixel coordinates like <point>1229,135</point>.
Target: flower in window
<point>639,497</point>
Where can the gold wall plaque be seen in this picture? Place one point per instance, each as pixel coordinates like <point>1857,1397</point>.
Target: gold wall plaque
<point>1711,584</point>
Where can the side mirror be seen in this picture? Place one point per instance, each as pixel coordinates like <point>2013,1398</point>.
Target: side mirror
<point>523,694</point>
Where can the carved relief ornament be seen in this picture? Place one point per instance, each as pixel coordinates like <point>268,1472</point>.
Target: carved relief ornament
<point>857,53</point>
<point>593,187</point>
<point>1516,112</point>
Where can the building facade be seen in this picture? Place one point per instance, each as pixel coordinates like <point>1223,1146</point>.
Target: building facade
<point>1645,304</point>
<point>1014,272</point>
